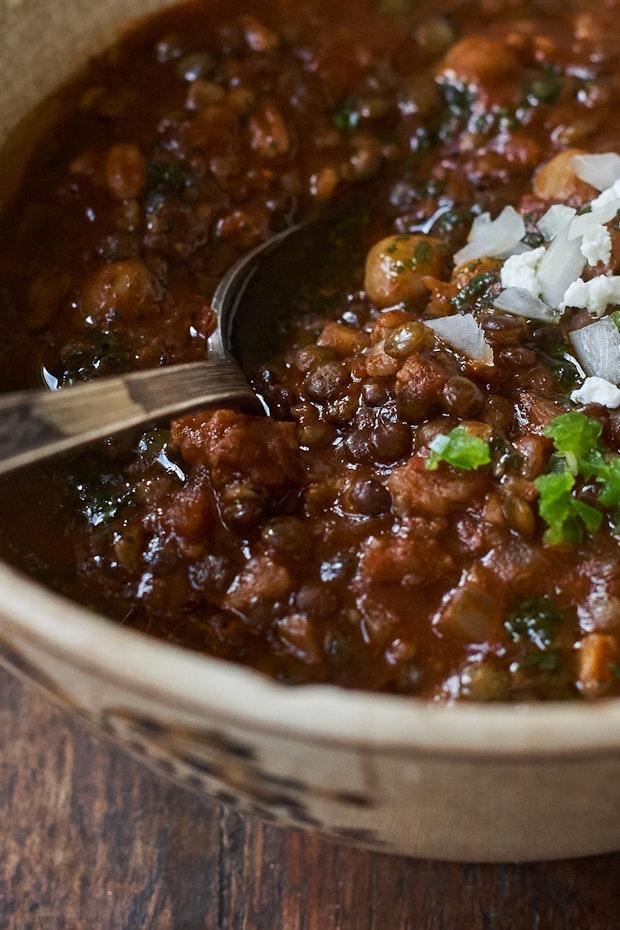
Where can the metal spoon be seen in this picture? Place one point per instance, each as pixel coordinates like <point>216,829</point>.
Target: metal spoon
<point>254,293</point>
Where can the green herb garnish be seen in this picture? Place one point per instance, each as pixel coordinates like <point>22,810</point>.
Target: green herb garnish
<point>347,116</point>
<point>579,454</point>
<point>536,621</point>
<point>169,175</point>
<point>459,449</point>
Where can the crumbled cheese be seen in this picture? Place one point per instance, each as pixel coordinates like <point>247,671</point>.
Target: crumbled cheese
<point>555,220</point>
<point>597,391</point>
<point>596,245</point>
<point>607,196</point>
<point>594,295</point>
<point>520,271</point>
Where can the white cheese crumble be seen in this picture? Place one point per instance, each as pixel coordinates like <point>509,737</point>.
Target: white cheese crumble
<point>594,295</point>
<point>596,245</point>
<point>520,271</point>
<point>597,391</point>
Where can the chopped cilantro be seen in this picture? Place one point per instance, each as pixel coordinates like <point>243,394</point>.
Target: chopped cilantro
<point>165,174</point>
<point>579,453</point>
<point>536,621</point>
<point>477,289</point>
<point>347,116</point>
<point>545,89</point>
<point>614,670</point>
<point>459,449</point>
<point>576,437</point>
<point>563,513</point>
<point>543,661</point>
<point>563,364</point>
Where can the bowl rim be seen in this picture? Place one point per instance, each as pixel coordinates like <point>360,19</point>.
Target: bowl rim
<point>236,696</point>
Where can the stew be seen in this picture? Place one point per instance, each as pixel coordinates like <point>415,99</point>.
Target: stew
<point>433,506</point>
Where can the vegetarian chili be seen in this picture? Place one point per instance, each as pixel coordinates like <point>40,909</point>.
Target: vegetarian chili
<point>433,506</point>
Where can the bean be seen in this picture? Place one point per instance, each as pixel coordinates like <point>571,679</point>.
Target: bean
<point>519,515</point>
<point>368,497</point>
<point>462,397</point>
<point>480,682</point>
<point>405,339</point>
<point>310,356</point>
<point>315,434</point>
<point>375,393</point>
<point>316,601</point>
<point>195,66</point>
<point>325,380</point>
<point>358,445</point>
<point>286,534</point>
<point>391,441</point>
<point>498,413</point>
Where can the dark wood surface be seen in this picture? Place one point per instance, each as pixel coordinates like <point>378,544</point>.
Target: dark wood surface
<point>90,840</point>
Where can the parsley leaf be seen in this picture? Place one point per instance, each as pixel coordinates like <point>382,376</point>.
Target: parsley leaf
<point>459,449</point>
<point>536,621</point>
<point>576,437</point>
<point>563,513</point>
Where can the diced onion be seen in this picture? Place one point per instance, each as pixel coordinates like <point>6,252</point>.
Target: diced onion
<point>479,223</point>
<point>494,239</point>
<point>463,333</point>
<point>522,303</point>
<point>561,265</point>
<point>597,347</point>
<point>601,171</point>
<point>584,224</point>
<point>555,220</point>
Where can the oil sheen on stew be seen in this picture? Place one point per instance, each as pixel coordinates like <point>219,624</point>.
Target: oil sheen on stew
<point>418,515</point>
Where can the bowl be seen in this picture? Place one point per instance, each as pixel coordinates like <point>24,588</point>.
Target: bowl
<point>485,783</point>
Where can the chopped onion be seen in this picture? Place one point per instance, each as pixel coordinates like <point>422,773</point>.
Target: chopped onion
<point>561,265</point>
<point>597,347</point>
<point>555,220</point>
<point>463,333</point>
<point>598,170</point>
<point>495,238</point>
<point>584,224</point>
<point>480,222</point>
<point>522,303</point>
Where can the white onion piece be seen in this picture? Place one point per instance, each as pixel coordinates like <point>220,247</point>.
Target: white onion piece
<point>585,223</point>
<point>598,170</point>
<point>597,347</point>
<point>480,222</point>
<point>523,303</point>
<point>555,220</point>
<point>462,333</point>
<point>562,264</point>
<point>494,239</point>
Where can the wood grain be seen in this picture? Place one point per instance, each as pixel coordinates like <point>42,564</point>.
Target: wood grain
<point>92,841</point>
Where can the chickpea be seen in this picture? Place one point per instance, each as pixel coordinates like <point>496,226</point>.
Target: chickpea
<point>556,180</point>
<point>478,60</point>
<point>396,265</point>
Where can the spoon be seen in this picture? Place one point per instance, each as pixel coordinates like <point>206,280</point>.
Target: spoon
<point>251,299</point>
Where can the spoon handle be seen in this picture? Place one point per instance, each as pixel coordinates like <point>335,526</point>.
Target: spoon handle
<point>37,424</point>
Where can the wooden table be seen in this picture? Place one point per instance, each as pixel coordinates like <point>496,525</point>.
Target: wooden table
<point>90,840</point>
